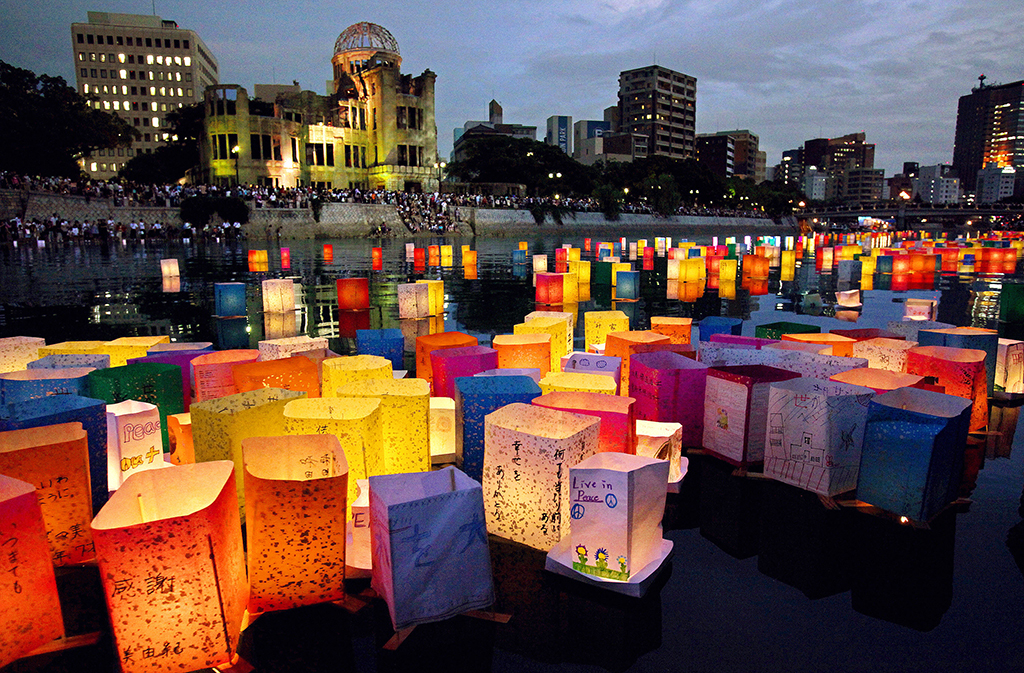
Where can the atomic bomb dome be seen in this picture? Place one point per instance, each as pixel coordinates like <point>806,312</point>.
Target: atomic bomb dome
<point>365,36</point>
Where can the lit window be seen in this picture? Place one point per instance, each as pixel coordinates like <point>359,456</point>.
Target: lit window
<point>127,105</point>
<point>153,106</point>
<point>179,90</point>
<point>156,121</point>
<point>160,60</point>
<point>165,136</point>
<point>188,60</point>
<point>103,167</point>
<point>177,76</point>
<point>117,105</point>
<point>103,58</point>
<point>152,91</point>
<point>106,89</point>
<point>85,88</point>
<point>151,78</point>
<point>177,60</point>
<point>163,91</point>
<point>121,58</point>
<point>81,56</point>
<point>124,89</point>
<point>123,74</point>
<point>92,57</point>
<point>149,59</point>
<point>93,166</point>
<point>106,105</point>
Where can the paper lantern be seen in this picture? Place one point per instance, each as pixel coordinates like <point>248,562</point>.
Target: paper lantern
<point>815,433</point>
<point>125,348</point>
<point>627,285</point>
<point>431,559</point>
<point>879,380</point>
<point>617,415</point>
<point>617,503</point>
<point>775,330</point>
<point>908,329</point>
<point>169,562</point>
<point>664,442</point>
<point>229,299</point>
<point>449,363</point>
<point>920,309</point>
<point>213,372</point>
<point>180,359</point>
<point>570,288</point>
<point>358,559</point>
<point>883,353</point>
<point>519,351</point>
<point>386,343</point>
<point>540,264</point>
<point>549,288</point>
<point>557,328</point>
<point>157,384</point>
<point>70,361</point>
<point>581,382</point>
<point>986,340</point>
<point>528,453</point>
<point>806,364</point>
<point>841,346</point>
<point>55,460</point>
<point>961,371</point>
<point>587,363</point>
<point>1010,366</point>
<point>179,434</point>
<point>296,373</point>
<point>295,520</point>
<point>443,445</point>
<point>913,452</point>
<point>435,296</point>
<point>582,271</point>
<point>30,384</point>
<point>31,616</point>
<point>91,347</point>
<point>413,300</point>
<point>17,352</point>
<point>286,258</point>
<point>849,299</point>
<point>278,349</point>
<point>755,266</point>
<point>425,345</point>
<point>220,425</point>
<point>676,329</point>
<point>624,344</point>
<point>866,333</point>
<point>347,369</point>
<point>328,253</point>
<point>404,424</point>
<point>719,325</point>
<point>475,397</point>
<point>377,258</point>
<point>734,341</point>
<point>601,272</point>
<point>134,441</point>
<point>736,411</point>
<point>279,295</point>
<point>353,293</point>
<point>670,388</point>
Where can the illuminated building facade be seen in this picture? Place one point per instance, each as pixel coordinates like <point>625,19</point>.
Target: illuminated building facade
<point>139,67</point>
<point>662,105</point>
<point>376,128</point>
<point>989,129</point>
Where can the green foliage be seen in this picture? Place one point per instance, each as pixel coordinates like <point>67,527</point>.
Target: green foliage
<point>200,209</point>
<point>170,162</point>
<point>662,194</point>
<point>522,161</point>
<point>610,200</point>
<point>46,126</point>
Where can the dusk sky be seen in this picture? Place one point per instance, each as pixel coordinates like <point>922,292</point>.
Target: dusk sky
<point>788,71</point>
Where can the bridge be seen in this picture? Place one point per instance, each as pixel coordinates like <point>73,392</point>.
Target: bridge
<point>911,214</point>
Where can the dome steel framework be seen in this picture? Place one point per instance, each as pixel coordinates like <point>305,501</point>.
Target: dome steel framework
<point>365,35</point>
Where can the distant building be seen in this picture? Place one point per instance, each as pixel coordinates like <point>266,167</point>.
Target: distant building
<point>937,184</point>
<point>842,156</point>
<point>748,159</point>
<point>587,129</point>
<point>814,183</point>
<point>140,67</point>
<point>989,129</point>
<point>558,133</point>
<point>376,129</point>
<point>994,183</point>
<point>862,185</point>
<point>717,152</point>
<point>660,104</point>
<point>494,126</point>
<point>790,171</point>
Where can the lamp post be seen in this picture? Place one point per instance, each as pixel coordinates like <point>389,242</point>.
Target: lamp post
<point>439,166</point>
<point>234,153</point>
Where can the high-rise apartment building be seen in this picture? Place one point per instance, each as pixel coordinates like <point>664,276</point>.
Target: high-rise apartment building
<point>662,105</point>
<point>558,133</point>
<point>748,159</point>
<point>936,184</point>
<point>718,152</point>
<point>989,129</point>
<point>139,67</point>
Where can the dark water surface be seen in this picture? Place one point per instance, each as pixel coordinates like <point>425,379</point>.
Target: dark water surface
<point>801,588</point>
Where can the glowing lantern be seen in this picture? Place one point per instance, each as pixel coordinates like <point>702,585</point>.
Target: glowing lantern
<point>229,299</point>
<point>627,285</point>
<point>557,328</point>
<point>448,364</point>
<point>664,442</point>
<point>413,300</point>
<point>597,325</point>
<point>179,434</point>
<point>220,425</point>
<point>719,325</point>
<point>912,457</point>
<point>435,296</point>
<point>376,259</point>
<point>620,267</point>
<point>866,333</point>
<point>734,341</point>
<point>17,352</point>
<point>68,347</point>
<point>849,299</point>
<point>908,329</point>
<point>259,261</point>
<point>279,295</point>
<point>425,345</point>
<point>678,330</point>
<point>519,351</point>
<point>624,344</point>
<point>156,384</point>
<point>920,309</point>
<point>30,384</point>
<point>569,315</point>
<point>404,421</point>
<point>879,380</point>
<point>434,255</point>
<point>587,363</point>
<point>670,388</point>
<point>1010,366</point>
<point>883,353</point>
<point>618,419</point>
<point>961,371</point>
<point>527,456</point>
<point>814,435</point>
<point>125,348</point>
<point>342,370</point>
<point>441,417</point>
<point>295,520</point>
<point>296,373</point>
<point>581,382</point>
<point>181,359</point>
<point>540,264</point>
<point>801,346</point>
<point>358,560</point>
<point>353,293</point>
<point>901,264</point>
<point>286,258</point>
<point>31,613</point>
<point>386,343</point>
<point>71,360</point>
<point>986,340</point>
<point>775,330</point>
<point>841,346</point>
<point>444,567</point>
<point>549,288</point>
<point>736,410</point>
<point>755,266</point>
<point>158,583</point>
<point>133,441</point>
<point>213,372</point>
<point>282,325</point>
<point>618,502</point>
<point>475,398</point>
<point>328,253</point>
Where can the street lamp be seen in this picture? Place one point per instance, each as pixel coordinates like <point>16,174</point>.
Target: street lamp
<point>234,153</point>
<point>439,166</point>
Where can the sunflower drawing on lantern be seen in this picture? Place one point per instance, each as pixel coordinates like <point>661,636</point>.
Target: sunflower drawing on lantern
<point>622,563</point>
<point>581,552</point>
<point>602,558</point>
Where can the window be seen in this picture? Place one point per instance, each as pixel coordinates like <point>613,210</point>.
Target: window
<point>120,41</point>
<point>110,39</point>
<point>103,74</point>
<point>348,156</point>
<point>149,42</point>
<point>131,58</point>
<point>184,43</point>
<point>123,74</point>
<point>85,73</point>
<point>89,40</point>
<point>131,75</point>
<point>188,77</point>
<point>129,42</point>
<point>145,137</point>
<point>363,153</point>
<point>81,38</point>
<point>81,56</point>
<point>135,92</point>
<point>187,59</point>
<point>167,44</point>
<point>136,121</point>
<point>295,150</point>
<point>177,44</point>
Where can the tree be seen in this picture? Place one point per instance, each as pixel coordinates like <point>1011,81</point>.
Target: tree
<point>544,169</point>
<point>46,126</point>
<point>169,163</point>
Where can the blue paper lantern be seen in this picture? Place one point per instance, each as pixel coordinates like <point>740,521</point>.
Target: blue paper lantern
<point>627,285</point>
<point>387,343</point>
<point>477,396</point>
<point>229,299</point>
<point>715,324</point>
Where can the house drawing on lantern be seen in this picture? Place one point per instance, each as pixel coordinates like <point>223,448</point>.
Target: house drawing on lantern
<point>374,129</point>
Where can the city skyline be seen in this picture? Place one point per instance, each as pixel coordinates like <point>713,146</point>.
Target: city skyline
<point>895,74</point>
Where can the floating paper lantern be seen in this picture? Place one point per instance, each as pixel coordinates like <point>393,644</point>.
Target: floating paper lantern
<point>736,411</point>
<point>404,421</point>
<point>377,259</point>
<point>557,328</point>
<point>775,330</point>
<point>734,341</point>
<point>617,503</point>
<point>278,349</point>
<point>920,309</point>
<point>588,363</point>
<point>961,371</point>
<point>883,353</point>
<point>425,345</point>
<point>670,388</point>
<point>295,520</point>
<point>180,346</point>
<point>1010,366</point>
<point>908,329</point>
<point>866,333</point>
<point>17,352</point>
<point>179,434</point>
<point>469,271</point>
<point>229,299</point>
<point>719,325</point>
<point>518,351</point>
<point>840,345</point>
<point>582,271</point>
<point>570,288</point>
<point>434,255</point>
<point>296,373</point>
<point>358,559</point>
<point>169,562</point>
<point>549,288</point>
<point>64,347</point>
<point>755,266</point>
<point>125,348</point>
<point>627,285</point>
<point>220,425</point>
<point>913,452</point>
<point>353,293</point>
<point>617,415</point>
<point>30,384</point>
<point>413,300</point>
<point>664,442</point>
<point>581,382</point>
<point>213,372</point>
<point>169,267</point>
<point>624,344</point>
<point>181,359</point>
<point>450,363</point>
<point>475,398</point>
<point>286,258</point>
<point>528,453</point>
<point>55,460</point>
<point>849,298</point>
<point>281,325</point>
<point>157,384</point>
<point>815,433</point>
<point>70,361</point>
<point>386,343</point>
<point>540,264</point>
<point>435,296</point>
<point>986,340</point>
<point>443,445</point>
<point>134,441</point>
<point>678,330</point>
<point>431,559</point>
<point>879,380</point>
<point>347,369</point>
<point>279,295</point>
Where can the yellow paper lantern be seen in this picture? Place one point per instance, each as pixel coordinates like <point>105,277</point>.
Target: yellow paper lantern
<point>578,381</point>
<point>72,347</point>
<point>124,349</point>
<point>557,328</point>
<point>598,324</point>
<point>884,353</point>
<point>339,371</point>
<point>523,351</point>
<point>442,430</point>
<point>404,420</point>
<point>435,296</point>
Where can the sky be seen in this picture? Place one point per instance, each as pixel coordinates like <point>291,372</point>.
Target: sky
<point>787,71</point>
